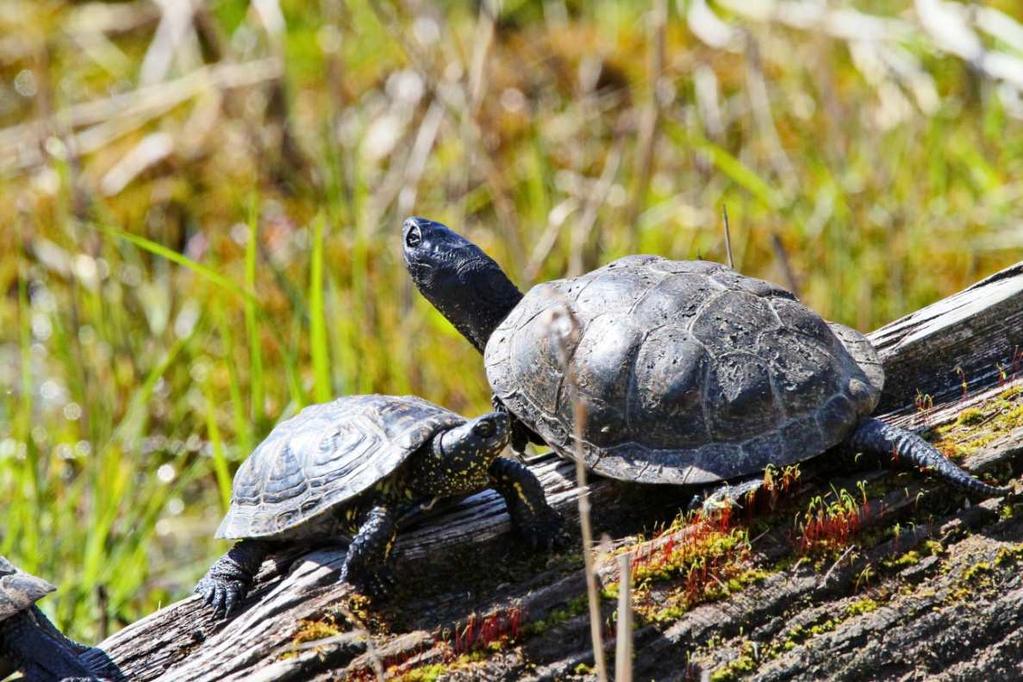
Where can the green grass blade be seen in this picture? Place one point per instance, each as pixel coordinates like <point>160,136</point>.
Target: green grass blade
<point>736,170</point>
<point>220,467</point>
<point>186,262</point>
<point>317,321</point>
<point>240,420</point>
<point>252,319</point>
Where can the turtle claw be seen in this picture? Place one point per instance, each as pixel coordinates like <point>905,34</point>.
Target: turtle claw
<point>220,594</point>
<point>230,577</point>
<point>231,597</point>
<point>545,532</point>
<point>375,584</point>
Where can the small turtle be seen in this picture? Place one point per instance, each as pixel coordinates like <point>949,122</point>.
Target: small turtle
<point>29,642</point>
<point>353,468</point>
<point>690,373</point>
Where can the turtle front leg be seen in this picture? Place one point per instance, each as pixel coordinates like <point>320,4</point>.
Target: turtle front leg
<point>367,566</point>
<point>26,646</point>
<point>534,519</point>
<point>230,577</point>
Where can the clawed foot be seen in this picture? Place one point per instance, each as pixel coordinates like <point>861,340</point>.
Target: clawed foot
<point>375,584</point>
<point>544,531</point>
<point>222,595</point>
<point>230,577</point>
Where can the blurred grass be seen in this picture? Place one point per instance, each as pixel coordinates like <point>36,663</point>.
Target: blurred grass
<point>150,338</point>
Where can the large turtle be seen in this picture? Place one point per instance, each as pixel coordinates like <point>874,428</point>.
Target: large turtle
<point>690,373</point>
<point>352,468</point>
<point>29,642</point>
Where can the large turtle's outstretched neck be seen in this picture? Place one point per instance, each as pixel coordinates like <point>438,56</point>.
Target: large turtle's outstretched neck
<point>461,281</point>
<point>28,646</point>
<point>873,435</point>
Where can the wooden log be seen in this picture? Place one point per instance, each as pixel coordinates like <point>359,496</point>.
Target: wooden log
<point>970,337</point>
<point>457,568</point>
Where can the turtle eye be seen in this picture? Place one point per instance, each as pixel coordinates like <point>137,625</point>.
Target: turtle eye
<point>484,429</point>
<point>414,238</point>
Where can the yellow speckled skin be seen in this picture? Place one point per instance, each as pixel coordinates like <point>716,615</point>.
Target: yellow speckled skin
<point>353,467</point>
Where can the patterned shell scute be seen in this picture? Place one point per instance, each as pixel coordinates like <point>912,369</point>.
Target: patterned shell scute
<point>689,371</point>
<point>324,456</point>
<point>19,590</point>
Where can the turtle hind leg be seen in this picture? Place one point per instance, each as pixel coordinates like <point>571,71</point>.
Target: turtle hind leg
<point>902,446</point>
<point>230,577</point>
<point>29,648</point>
<point>367,566</point>
<point>535,520</point>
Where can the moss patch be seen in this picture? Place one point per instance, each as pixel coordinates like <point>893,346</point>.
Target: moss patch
<point>431,672</point>
<point>977,426</point>
<point>861,606</point>
<point>696,560</point>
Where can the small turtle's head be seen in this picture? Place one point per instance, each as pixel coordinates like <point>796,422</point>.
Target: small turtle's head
<point>461,457</point>
<point>480,439</point>
<point>461,281</point>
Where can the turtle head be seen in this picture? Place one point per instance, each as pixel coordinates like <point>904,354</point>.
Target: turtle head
<point>460,458</point>
<point>461,281</point>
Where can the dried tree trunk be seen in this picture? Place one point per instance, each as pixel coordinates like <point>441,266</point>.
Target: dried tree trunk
<point>953,614</point>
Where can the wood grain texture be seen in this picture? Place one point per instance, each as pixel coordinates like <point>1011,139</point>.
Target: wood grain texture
<point>462,563</point>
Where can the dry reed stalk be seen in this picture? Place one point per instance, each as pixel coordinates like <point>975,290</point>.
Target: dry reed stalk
<point>623,638</point>
<point>562,326</point>
<point>728,236</point>
<point>111,117</point>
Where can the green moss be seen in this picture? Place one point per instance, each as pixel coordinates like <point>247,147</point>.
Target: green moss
<point>1011,393</point>
<point>571,609</point>
<point>970,416</point>
<point>426,673</point>
<point>978,426</point>
<point>1009,555</point>
<point>910,558</point>
<point>977,569</point>
<point>431,672</point>
<point>312,630</point>
<point>746,578</point>
<point>738,667</point>
<point>861,606</point>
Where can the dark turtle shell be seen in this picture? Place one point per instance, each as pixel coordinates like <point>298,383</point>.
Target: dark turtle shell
<point>325,456</point>
<point>689,371</point>
<point>19,590</point>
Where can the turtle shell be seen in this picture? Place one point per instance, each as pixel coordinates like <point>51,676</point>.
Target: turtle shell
<point>19,590</point>
<point>688,371</point>
<point>324,456</point>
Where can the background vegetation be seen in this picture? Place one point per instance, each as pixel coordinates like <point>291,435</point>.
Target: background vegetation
<point>201,213</point>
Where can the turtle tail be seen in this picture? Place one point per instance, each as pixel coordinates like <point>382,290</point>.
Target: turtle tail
<point>873,435</point>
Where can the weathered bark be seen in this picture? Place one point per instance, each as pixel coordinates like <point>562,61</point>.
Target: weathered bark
<point>970,336</point>
<point>953,614</point>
